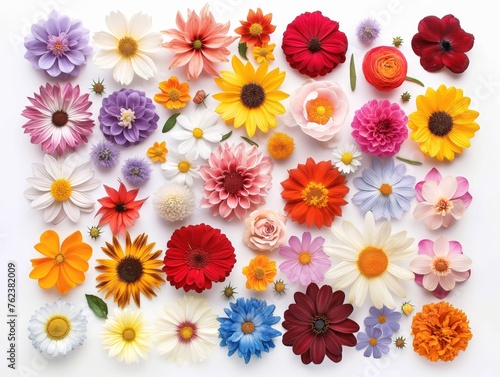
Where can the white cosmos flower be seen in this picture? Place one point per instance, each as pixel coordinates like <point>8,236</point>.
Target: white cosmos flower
<point>56,329</point>
<point>346,158</point>
<point>60,187</point>
<point>187,331</point>
<point>127,47</point>
<point>198,132</point>
<point>367,261</point>
<point>181,168</point>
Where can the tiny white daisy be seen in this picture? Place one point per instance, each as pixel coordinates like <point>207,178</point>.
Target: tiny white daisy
<point>346,158</point>
<point>181,168</point>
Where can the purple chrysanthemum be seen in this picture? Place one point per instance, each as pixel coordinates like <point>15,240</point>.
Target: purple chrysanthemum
<point>368,30</point>
<point>385,319</point>
<point>379,127</point>
<point>127,117</point>
<point>104,154</point>
<point>136,171</point>
<point>58,45</point>
<point>374,341</point>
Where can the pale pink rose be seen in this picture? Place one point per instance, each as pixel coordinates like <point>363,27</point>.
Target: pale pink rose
<point>265,230</point>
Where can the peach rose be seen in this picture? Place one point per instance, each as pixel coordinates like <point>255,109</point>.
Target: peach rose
<point>265,230</point>
<point>385,68</point>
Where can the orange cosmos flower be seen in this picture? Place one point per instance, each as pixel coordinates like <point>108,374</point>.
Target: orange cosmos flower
<point>256,29</point>
<point>260,272</point>
<point>174,94</point>
<point>62,266</point>
<point>158,152</point>
<point>314,193</point>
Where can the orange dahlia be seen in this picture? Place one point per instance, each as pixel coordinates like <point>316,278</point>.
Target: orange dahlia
<point>440,331</point>
<point>256,29</point>
<point>314,193</point>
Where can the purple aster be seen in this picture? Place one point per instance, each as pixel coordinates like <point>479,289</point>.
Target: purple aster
<point>136,171</point>
<point>384,189</point>
<point>368,30</point>
<point>306,261</point>
<point>104,154</point>
<point>127,117</point>
<point>58,45</point>
<point>374,342</point>
<point>385,319</point>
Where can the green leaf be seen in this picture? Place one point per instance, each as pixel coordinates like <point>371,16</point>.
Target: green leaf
<point>251,142</point>
<point>411,79</point>
<point>98,306</point>
<point>226,136</point>
<point>352,73</point>
<point>170,123</point>
<point>411,162</point>
<point>242,49</point>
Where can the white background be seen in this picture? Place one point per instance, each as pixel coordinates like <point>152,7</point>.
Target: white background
<point>477,231</point>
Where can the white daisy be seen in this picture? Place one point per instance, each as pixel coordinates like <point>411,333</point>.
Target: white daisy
<point>127,47</point>
<point>181,168</point>
<point>56,329</point>
<point>60,187</point>
<point>187,331</point>
<point>367,264</point>
<point>174,201</point>
<point>346,158</point>
<point>198,131</point>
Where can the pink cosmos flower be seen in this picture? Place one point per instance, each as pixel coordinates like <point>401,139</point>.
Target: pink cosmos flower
<point>442,199</point>
<point>439,265</point>
<point>200,42</point>
<point>306,262</point>
<point>237,180</point>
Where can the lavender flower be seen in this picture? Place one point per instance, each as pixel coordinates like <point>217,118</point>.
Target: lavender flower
<point>136,171</point>
<point>368,30</point>
<point>385,319</point>
<point>127,117</point>
<point>104,154</point>
<point>58,45</point>
<point>374,342</point>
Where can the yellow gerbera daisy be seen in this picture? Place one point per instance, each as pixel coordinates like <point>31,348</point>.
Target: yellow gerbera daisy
<point>250,96</point>
<point>443,123</point>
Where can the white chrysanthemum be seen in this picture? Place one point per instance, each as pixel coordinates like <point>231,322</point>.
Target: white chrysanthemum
<point>187,331</point>
<point>56,329</point>
<point>181,168</point>
<point>367,264</point>
<point>174,201</point>
<point>346,158</point>
<point>198,132</point>
<point>127,47</point>
<point>60,187</point>
<point>127,336</point>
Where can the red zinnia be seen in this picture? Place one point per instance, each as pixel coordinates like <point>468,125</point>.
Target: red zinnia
<point>442,42</point>
<point>119,208</point>
<point>313,44</point>
<point>256,29</point>
<point>196,256</point>
<point>317,324</point>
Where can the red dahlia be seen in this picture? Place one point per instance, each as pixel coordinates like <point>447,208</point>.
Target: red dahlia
<point>313,44</point>
<point>196,256</point>
<point>317,324</point>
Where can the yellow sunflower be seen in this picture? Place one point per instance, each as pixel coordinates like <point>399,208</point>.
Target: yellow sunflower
<point>250,96</point>
<point>130,273</point>
<point>443,123</point>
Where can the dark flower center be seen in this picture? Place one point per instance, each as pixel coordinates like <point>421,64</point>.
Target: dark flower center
<point>233,182</point>
<point>319,325</point>
<point>120,207</point>
<point>314,45</point>
<point>129,269</point>
<point>59,118</point>
<point>440,123</point>
<point>383,127</point>
<point>197,258</point>
<point>252,95</point>
<point>445,45</point>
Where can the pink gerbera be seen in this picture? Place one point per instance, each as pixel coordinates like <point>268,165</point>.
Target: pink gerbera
<point>199,42</point>
<point>58,118</point>
<point>237,179</point>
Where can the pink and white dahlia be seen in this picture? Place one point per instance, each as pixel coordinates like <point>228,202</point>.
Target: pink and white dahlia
<point>237,180</point>
<point>58,118</point>
<point>198,42</point>
<point>442,200</point>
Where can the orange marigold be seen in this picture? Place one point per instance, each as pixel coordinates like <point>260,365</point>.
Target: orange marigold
<point>440,331</point>
<point>260,272</point>
<point>174,94</point>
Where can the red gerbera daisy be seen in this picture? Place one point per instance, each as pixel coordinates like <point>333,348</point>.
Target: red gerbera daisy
<point>196,256</point>
<point>256,29</point>
<point>314,193</point>
<point>441,42</point>
<point>313,44</point>
<point>317,324</point>
<point>119,208</point>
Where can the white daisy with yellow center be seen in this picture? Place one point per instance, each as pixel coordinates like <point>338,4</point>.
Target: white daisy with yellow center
<point>181,168</point>
<point>346,158</point>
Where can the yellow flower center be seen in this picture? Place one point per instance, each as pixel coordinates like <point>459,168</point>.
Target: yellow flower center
<point>346,158</point>
<point>319,110</point>
<point>59,258</point>
<point>382,319</point>
<point>197,44</point>
<point>58,327</point>
<point>373,342</point>
<point>128,46</point>
<point>372,262</point>
<point>184,166</point>
<point>247,328</point>
<point>127,118</point>
<point>158,152</point>
<point>305,257</point>
<point>61,189</point>
<point>198,133</point>
<point>186,332</point>
<point>441,266</point>
<point>174,94</point>
<point>315,195</point>
<point>128,334</point>
<point>443,207</point>
<point>259,273</point>
<point>263,52</point>
<point>255,29</point>
<point>385,189</point>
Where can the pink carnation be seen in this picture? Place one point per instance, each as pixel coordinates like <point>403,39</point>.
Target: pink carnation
<point>264,230</point>
<point>379,128</point>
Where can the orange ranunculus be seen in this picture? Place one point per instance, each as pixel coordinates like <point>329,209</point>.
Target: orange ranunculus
<point>385,68</point>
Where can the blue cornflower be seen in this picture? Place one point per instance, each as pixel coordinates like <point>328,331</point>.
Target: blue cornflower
<point>136,171</point>
<point>248,327</point>
<point>385,319</point>
<point>104,154</point>
<point>384,189</point>
<point>374,342</point>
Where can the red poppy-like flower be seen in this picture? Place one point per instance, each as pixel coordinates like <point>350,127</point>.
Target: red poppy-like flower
<point>196,256</point>
<point>119,208</point>
<point>313,44</point>
<point>317,324</point>
<point>256,29</point>
<point>385,68</point>
<point>441,42</point>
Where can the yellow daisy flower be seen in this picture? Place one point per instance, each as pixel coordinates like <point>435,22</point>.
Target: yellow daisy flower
<point>260,272</point>
<point>158,152</point>
<point>264,53</point>
<point>443,123</point>
<point>174,94</point>
<point>250,96</point>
